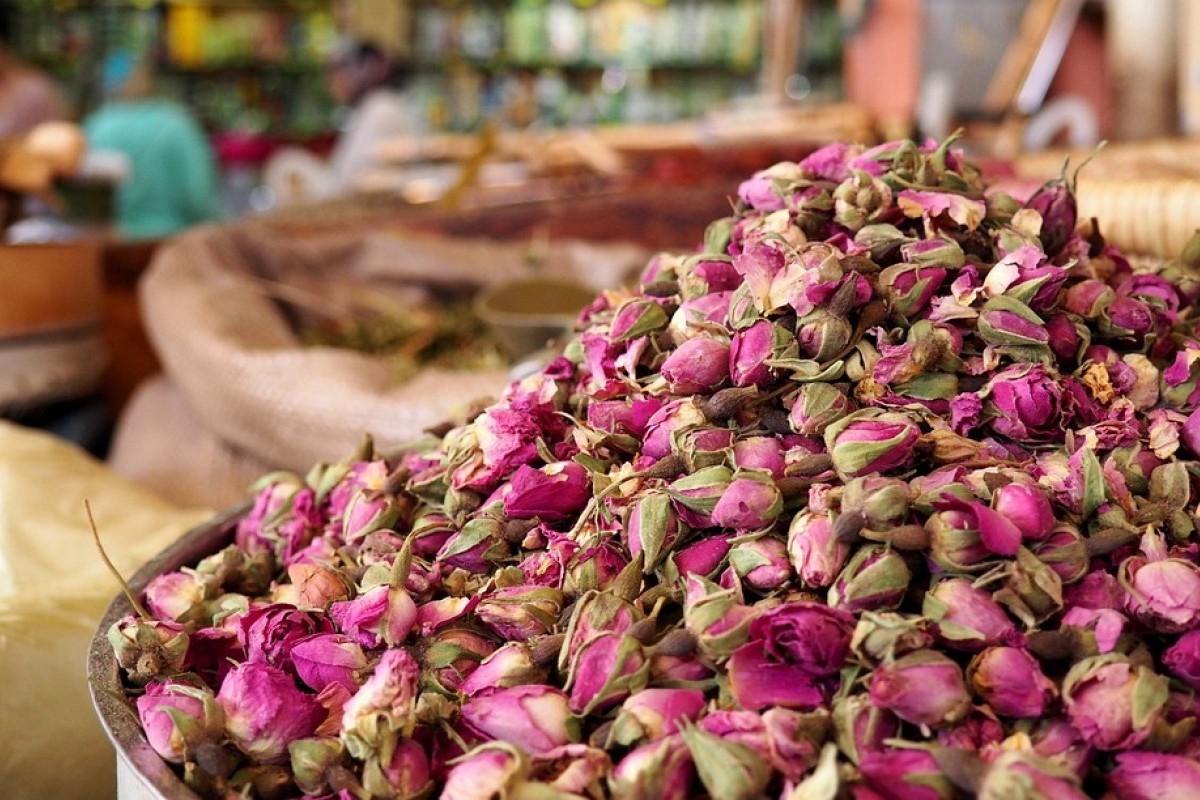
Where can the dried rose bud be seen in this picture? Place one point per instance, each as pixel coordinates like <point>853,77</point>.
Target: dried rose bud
<point>1007,322</point>
<point>762,191</point>
<point>817,406</point>
<point>438,614</point>
<point>792,653</point>
<point>1056,740</point>
<point>704,274</point>
<point>909,774</point>
<point>478,548</point>
<point>1127,318</point>
<point>148,649</point>
<point>1088,298</point>
<point>1183,659</point>
<point>659,770</point>
<point>654,713</point>
<point>703,447</point>
<point>406,775</point>
<point>1055,203</point>
<point>751,502</point>
<point>573,769</point>
<point>510,665</point>
<point>381,615</point>
<point>521,612</point>
<point>870,441</point>
<point>761,453</point>
<point>1027,507</point>
<point>1022,773</point>
<point>552,493</point>
<point>651,527</point>
<point>1068,337</point>
<point>534,717</point>
<point>816,553</point>
<point>368,511</point>
<point>1033,591</point>
<point>311,761</point>
<point>179,596</point>
<point>909,287</point>
<point>762,563</point>
<point>635,318</point>
<point>1024,403</point>
<point>967,617</point>
<point>595,613</point>
<point>954,537</point>
<point>605,671</point>
<point>753,348</point>
<point>859,200</point>
<point>1011,682</point>
<point>822,334</point>
<point>886,635</point>
<point>430,532</point>
<point>716,616</point>
<point>452,656</point>
<point>1154,776</point>
<point>696,495</point>
<point>862,727</point>
<point>493,769</point>
<point>325,658</point>
<point>384,706</point>
<point>1163,594</point>
<point>698,365</point>
<point>177,716</point>
<point>623,417</point>
<point>1113,703</point>
<point>924,688</point>
<point>882,502</point>
<point>876,579</point>
<point>264,711</point>
<point>727,768</point>
<point>1065,551</point>
<point>269,632</point>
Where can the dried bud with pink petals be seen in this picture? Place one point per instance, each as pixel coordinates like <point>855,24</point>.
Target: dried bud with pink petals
<point>817,555</point>
<point>178,716</point>
<point>265,712</point>
<point>1113,703</point>
<point>654,713</point>
<point>1011,682</point>
<point>870,441</point>
<point>967,617</point>
<point>659,770</point>
<point>875,579</point>
<point>534,717</point>
<point>924,688</point>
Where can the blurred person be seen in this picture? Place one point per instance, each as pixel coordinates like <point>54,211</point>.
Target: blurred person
<point>28,96</point>
<point>172,180</point>
<point>370,89</point>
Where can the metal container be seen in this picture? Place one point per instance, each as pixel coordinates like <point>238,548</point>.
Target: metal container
<point>141,773</point>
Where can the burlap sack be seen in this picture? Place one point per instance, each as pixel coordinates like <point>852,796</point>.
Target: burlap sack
<point>210,305</point>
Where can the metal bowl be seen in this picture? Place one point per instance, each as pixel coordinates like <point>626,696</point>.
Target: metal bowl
<point>141,773</point>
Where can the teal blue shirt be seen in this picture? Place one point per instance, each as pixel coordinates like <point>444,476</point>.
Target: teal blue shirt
<point>172,181</point>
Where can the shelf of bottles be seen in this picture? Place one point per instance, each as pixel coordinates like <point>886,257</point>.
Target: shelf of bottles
<point>576,62</point>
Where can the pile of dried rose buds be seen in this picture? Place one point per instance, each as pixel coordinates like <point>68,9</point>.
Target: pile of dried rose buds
<point>889,492</point>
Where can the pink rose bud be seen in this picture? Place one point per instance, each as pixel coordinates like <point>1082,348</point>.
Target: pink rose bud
<point>906,775</point>
<point>870,441</point>
<point>430,532</point>
<point>1067,337</point>
<point>703,556</point>
<point>910,287</point>
<point>659,770</point>
<point>780,666</point>
<point>752,348</point>
<point>750,502</point>
<point>954,538</point>
<point>384,706</point>
<point>727,768</point>
<point>269,632</point>
<point>876,579</point>
<point>924,688</point>
<point>715,615</point>
<point>1057,741</point>
<point>311,761</point>
<point>817,555</point>
<point>677,415</point>
<point>382,615</point>
<point>520,612</point>
<point>1065,551</point>
<point>1020,772</point>
<point>762,563</point>
<point>552,493</point>
<point>697,316</point>
<point>179,596</point>
<point>761,453</point>
<point>1027,507</point>
<point>1024,403</point>
<point>177,716</point>
<point>576,769</point>
<point>478,548</point>
<point>701,275</point>
<point>623,417</point>
<point>703,447</point>
<point>997,533</point>
<point>605,671</point>
<point>1011,682</point>
<point>367,512</point>
<point>1088,298</point>
<point>534,717</point>
<point>759,192</point>
<point>635,318</point>
<point>651,527</point>
<point>407,775</point>
<point>494,769</point>
<point>1154,776</point>
<point>861,727</point>
<point>325,658</point>
<point>264,711</point>
<point>696,495</point>
<point>1055,202</point>
<point>670,670</point>
<point>699,365</point>
<point>1007,322</point>
<point>1163,595</point>
<point>883,635</point>
<point>510,665</point>
<point>654,713</point>
<point>148,649</point>
<point>823,333</point>
<point>966,617</point>
<point>1127,318</point>
<point>595,613</point>
<point>1183,659</point>
<point>1113,703</point>
<point>438,614</point>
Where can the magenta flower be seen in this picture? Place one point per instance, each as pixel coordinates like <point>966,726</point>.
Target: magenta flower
<point>493,769</point>
<point>551,493</point>
<point>752,347</point>
<point>385,705</point>
<point>793,653</point>
<point>750,502</point>
<point>325,658</point>
<point>905,775</point>
<point>1163,594</point>
<point>534,717</point>
<point>924,688</point>
<point>654,713</point>
<point>264,711</point>
<point>1011,682</point>
<point>1024,403</point>
<point>604,671</point>
<point>1183,659</point>
<point>870,441</point>
<point>1026,507</point>
<point>1113,703</point>
<point>816,553</point>
<point>698,365</point>
<point>177,716</point>
<point>268,633</point>
<point>1154,776</point>
<point>966,617</point>
<point>658,770</point>
<point>381,615</point>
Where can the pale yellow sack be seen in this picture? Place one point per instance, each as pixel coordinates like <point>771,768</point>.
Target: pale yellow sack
<point>53,591</point>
